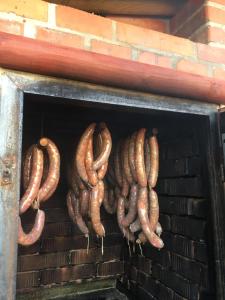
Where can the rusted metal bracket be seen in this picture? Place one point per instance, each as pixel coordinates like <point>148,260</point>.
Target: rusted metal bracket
<point>6,165</point>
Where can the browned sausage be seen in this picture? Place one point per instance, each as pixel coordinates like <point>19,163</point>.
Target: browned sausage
<point>120,216</point>
<point>74,212</point>
<point>102,171</point>
<point>31,192</point>
<point>125,161</point>
<point>147,158</point>
<point>27,239</point>
<point>131,156</point>
<point>81,152</point>
<point>139,158</point>
<point>52,180</point>
<point>154,159</point>
<point>144,220</point>
<point>154,209</point>
<point>84,202</point>
<point>101,191</point>
<point>78,180</point>
<point>99,148</point>
<point>92,175</point>
<point>125,187</point>
<point>27,166</point>
<point>105,149</point>
<point>132,210</point>
<point>117,165</point>
<point>95,211</point>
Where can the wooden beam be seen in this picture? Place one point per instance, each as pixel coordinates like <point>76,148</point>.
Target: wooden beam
<point>166,8</point>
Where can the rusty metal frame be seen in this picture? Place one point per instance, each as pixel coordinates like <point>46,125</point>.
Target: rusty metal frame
<point>15,85</point>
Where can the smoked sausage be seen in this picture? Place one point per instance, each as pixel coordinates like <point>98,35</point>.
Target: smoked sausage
<point>154,159</point>
<point>95,211</point>
<point>139,158</point>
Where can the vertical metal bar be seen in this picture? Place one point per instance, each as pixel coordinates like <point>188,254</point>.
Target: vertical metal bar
<point>217,201</point>
<point>11,104</point>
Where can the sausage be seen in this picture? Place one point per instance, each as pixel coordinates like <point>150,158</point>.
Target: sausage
<point>101,191</point>
<point>31,192</point>
<point>131,156</point>
<point>102,170</point>
<point>84,202</point>
<point>81,152</point>
<point>105,149</point>
<point>74,212</point>
<point>144,220</point>
<point>125,187</point>
<point>117,164</point>
<point>99,147</point>
<point>92,175</point>
<point>27,239</point>
<point>132,210</point>
<point>78,180</point>
<point>125,161</point>
<point>120,216</point>
<point>139,158</point>
<point>95,211</point>
<point>27,163</point>
<point>154,159</point>
<point>52,180</point>
<point>147,158</point>
<point>154,209</point>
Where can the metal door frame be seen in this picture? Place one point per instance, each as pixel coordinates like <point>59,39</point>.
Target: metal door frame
<point>14,86</point>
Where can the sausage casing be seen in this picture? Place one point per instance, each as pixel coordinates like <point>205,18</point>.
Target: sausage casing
<point>139,158</point>
<point>95,211</point>
<point>92,175</point>
<point>131,156</point>
<point>154,159</point>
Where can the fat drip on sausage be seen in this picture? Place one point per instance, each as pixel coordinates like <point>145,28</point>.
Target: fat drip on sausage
<point>52,180</point>
<point>34,182</point>
<point>27,239</point>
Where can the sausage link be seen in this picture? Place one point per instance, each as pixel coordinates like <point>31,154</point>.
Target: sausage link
<point>84,202</point>
<point>78,180</point>
<point>99,148</point>
<point>120,216</point>
<point>92,175</point>
<point>31,192</point>
<point>74,212</point>
<point>144,220</point>
<point>153,209</point>
<point>101,191</point>
<point>27,165</point>
<point>131,156</point>
<point>125,187</point>
<point>117,163</point>
<point>154,159</point>
<point>105,149</point>
<point>27,239</point>
<point>102,170</point>
<point>147,158</point>
<point>81,152</point>
<point>125,162</point>
<point>139,158</point>
<point>95,211</point>
<point>132,210</point>
<point>52,180</point>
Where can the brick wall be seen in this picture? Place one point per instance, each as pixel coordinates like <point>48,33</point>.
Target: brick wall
<point>74,28</point>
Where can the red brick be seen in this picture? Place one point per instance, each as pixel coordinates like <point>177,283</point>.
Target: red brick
<point>211,54</point>
<point>148,38</point>
<point>60,38</point>
<point>146,22</point>
<point>192,67</point>
<point>219,73</point>
<point>147,58</point>
<point>110,49</point>
<point>214,14</point>
<point>218,1</point>
<point>11,27</point>
<point>84,22</point>
<point>181,17</point>
<point>216,35</point>
<point>164,61</point>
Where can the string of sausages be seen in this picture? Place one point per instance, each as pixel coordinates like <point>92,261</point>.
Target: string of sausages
<point>41,171</point>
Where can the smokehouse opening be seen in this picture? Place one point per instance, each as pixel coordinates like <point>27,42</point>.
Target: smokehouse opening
<point>61,257</point>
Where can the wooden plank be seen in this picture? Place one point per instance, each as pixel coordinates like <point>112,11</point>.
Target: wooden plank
<point>11,102</point>
<point>166,8</point>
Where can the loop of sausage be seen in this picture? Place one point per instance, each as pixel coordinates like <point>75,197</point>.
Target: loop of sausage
<point>139,158</point>
<point>95,211</point>
<point>125,161</point>
<point>81,152</point>
<point>154,159</point>
<point>31,192</point>
<point>142,237</point>
<point>84,202</point>
<point>74,212</point>
<point>131,156</point>
<point>132,210</point>
<point>144,220</point>
<point>118,167</point>
<point>27,239</point>
<point>92,175</point>
<point>105,149</point>
<point>27,165</point>
<point>52,180</point>
<point>147,158</point>
<point>120,216</point>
